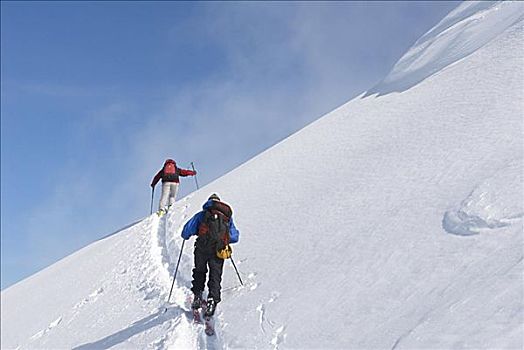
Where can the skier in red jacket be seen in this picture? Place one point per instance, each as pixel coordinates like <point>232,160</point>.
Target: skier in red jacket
<point>170,175</point>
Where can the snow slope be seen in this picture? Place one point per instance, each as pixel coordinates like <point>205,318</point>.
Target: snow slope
<point>394,221</point>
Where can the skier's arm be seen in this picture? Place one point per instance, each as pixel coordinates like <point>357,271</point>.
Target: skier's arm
<point>191,227</point>
<point>233,232</point>
<point>157,178</point>
<point>185,172</point>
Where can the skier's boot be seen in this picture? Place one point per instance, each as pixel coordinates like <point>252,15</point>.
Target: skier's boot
<point>197,301</point>
<point>211,306</point>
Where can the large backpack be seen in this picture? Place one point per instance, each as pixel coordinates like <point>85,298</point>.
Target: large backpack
<point>170,172</point>
<point>213,232</point>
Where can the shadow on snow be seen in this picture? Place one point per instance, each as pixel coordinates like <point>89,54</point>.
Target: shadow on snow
<point>137,327</point>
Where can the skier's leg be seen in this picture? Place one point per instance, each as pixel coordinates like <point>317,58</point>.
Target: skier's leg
<point>165,195</point>
<point>172,193</point>
<point>199,272</point>
<point>216,266</point>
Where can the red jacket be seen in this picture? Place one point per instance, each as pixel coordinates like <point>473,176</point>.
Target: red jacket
<point>172,177</point>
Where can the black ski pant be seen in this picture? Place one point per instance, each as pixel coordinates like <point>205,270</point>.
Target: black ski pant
<point>203,260</point>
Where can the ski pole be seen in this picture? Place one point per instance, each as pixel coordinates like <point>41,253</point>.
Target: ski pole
<point>176,270</point>
<point>196,180</point>
<point>240,279</point>
<point>152,196</point>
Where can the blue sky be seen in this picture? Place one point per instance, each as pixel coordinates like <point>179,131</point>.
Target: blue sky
<point>95,95</point>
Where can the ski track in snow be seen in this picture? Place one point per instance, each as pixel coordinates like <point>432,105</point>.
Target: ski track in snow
<point>91,298</point>
<point>49,328</point>
<point>279,337</point>
<point>40,334</point>
<point>165,249</point>
<point>160,260</point>
<point>277,331</point>
<point>408,332</point>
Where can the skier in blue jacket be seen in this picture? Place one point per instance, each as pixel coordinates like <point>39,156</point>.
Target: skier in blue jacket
<point>215,230</point>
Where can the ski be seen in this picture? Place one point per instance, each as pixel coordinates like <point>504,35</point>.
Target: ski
<point>209,326</point>
<point>197,318</point>
<point>209,323</point>
<point>163,211</point>
<point>197,313</point>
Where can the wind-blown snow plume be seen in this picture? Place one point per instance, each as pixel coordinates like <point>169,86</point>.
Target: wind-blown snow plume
<point>466,29</point>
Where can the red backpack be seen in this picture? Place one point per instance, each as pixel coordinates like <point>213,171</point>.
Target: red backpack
<point>169,168</point>
<point>170,171</point>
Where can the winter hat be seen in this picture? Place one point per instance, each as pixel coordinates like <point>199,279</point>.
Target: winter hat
<point>214,197</point>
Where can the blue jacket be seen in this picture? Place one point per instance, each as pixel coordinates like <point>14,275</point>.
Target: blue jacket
<point>191,227</point>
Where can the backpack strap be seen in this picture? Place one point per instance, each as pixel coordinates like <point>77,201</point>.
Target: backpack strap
<point>203,228</point>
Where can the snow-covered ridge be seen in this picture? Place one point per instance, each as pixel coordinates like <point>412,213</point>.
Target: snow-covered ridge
<point>466,29</point>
